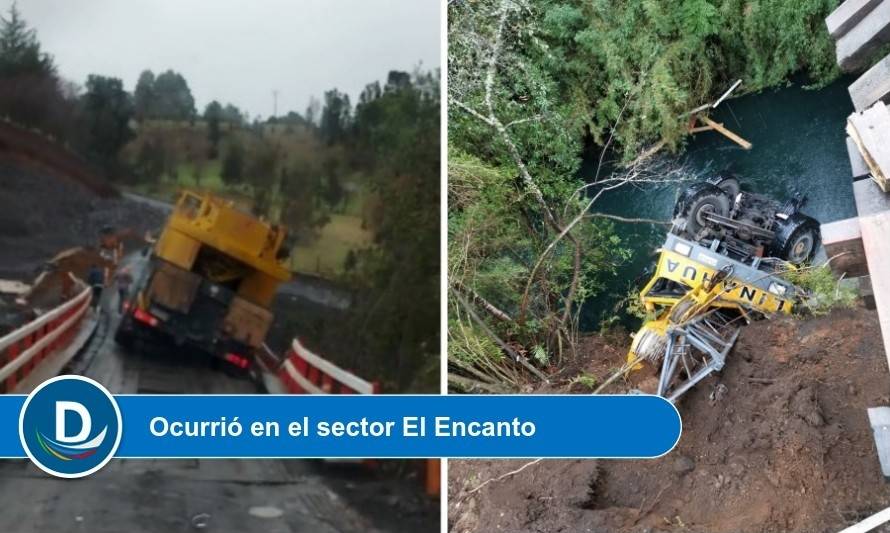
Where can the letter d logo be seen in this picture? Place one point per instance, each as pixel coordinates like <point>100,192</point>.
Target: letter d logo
<point>62,408</point>
<point>65,425</point>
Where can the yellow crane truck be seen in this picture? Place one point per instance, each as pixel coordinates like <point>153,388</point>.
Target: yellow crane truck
<point>722,263</point>
<point>210,280</point>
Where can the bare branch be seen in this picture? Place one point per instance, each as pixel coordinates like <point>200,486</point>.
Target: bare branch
<point>493,58</point>
<point>490,308</point>
<point>535,118</point>
<point>629,220</point>
<point>471,111</point>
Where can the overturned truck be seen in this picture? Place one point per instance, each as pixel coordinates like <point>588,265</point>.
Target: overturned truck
<point>723,263</point>
<point>211,278</point>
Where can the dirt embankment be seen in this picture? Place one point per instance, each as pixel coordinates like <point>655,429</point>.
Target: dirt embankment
<point>42,213</point>
<point>780,441</point>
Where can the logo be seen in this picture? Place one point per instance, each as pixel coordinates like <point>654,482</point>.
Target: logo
<point>70,426</point>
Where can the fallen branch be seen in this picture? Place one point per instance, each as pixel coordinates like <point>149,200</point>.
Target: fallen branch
<point>482,302</point>
<point>630,220</point>
<point>469,384</point>
<point>504,346</point>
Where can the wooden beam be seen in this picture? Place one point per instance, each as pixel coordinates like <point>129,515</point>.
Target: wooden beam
<point>730,135</point>
<point>848,15</point>
<point>855,48</point>
<point>872,86</point>
<point>843,245</point>
<point>870,200</point>
<point>857,164</point>
<point>875,229</point>
<point>870,130</point>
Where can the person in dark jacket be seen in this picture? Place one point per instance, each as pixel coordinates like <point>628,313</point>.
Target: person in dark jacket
<point>96,280</point>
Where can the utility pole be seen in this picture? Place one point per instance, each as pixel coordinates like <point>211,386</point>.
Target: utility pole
<point>275,103</point>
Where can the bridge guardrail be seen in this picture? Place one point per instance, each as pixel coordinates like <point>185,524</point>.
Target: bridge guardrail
<point>304,372</point>
<point>22,349</point>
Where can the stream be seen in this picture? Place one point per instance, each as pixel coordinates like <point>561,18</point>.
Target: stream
<point>799,145</point>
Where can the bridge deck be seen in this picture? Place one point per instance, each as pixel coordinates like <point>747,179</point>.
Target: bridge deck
<point>860,28</point>
<point>227,496</point>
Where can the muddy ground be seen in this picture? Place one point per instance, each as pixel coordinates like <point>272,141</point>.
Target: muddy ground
<point>779,442</point>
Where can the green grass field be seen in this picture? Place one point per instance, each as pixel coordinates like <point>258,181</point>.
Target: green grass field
<point>326,255</point>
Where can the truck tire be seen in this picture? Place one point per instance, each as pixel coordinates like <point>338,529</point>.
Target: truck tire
<point>797,238</point>
<point>123,338</point>
<point>699,199</point>
<point>728,184</point>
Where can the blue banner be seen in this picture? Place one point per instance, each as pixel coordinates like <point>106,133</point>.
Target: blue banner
<point>380,426</point>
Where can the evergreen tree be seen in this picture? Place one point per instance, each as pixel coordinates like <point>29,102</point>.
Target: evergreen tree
<point>213,113</point>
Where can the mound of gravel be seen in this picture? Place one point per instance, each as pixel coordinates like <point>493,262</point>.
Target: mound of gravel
<point>42,214</point>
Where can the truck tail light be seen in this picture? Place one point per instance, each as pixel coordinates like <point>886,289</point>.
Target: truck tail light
<point>145,318</point>
<point>237,360</point>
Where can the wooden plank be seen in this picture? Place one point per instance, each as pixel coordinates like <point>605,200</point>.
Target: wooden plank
<point>875,231</point>
<point>872,86</point>
<point>843,245</point>
<point>732,136</point>
<point>879,418</point>
<point>870,200</point>
<point>847,15</point>
<point>857,164</point>
<point>855,48</point>
<point>870,130</point>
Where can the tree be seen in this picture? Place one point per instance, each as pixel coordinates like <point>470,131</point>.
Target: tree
<point>313,111</point>
<point>262,173</point>
<point>173,99</point>
<point>396,135</point>
<point>370,93</point>
<point>151,159</point>
<point>397,80</point>
<point>333,190</point>
<point>107,109</point>
<point>144,95</point>
<point>233,163</point>
<point>300,187</point>
<point>335,117</point>
<point>20,53</point>
<point>30,90</point>
<point>233,115</point>
<point>213,113</point>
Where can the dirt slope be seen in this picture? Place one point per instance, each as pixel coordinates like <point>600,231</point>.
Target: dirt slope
<point>781,442</point>
<point>42,213</point>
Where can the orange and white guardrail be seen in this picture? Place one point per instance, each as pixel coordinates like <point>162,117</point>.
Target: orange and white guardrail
<point>23,349</point>
<point>304,372</point>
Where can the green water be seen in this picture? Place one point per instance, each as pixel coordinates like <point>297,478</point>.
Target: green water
<point>799,146</point>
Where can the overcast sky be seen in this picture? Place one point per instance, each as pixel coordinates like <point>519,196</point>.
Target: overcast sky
<point>239,51</point>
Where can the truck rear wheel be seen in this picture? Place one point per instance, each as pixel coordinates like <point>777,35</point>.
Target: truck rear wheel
<point>697,201</point>
<point>727,184</point>
<point>123,338</point>
<point>797,238</point>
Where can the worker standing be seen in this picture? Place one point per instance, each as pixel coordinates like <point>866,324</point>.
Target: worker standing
<point>124,279</point>
<point>96,279</point>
